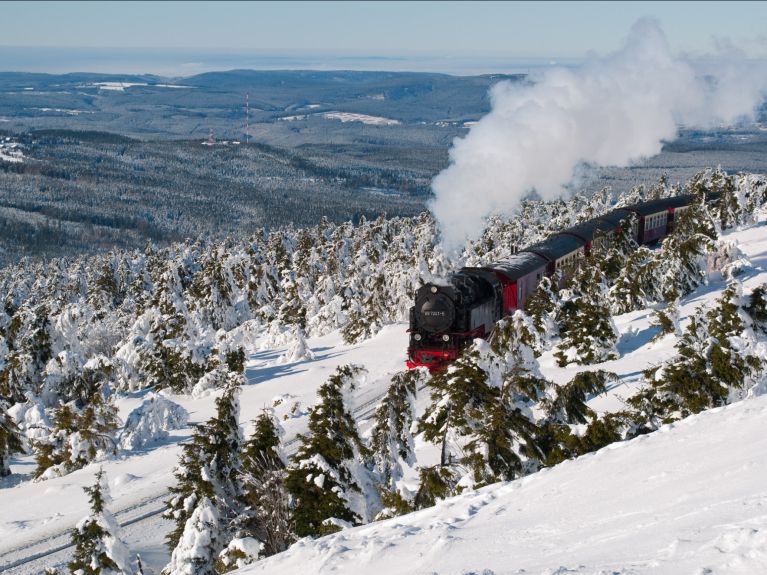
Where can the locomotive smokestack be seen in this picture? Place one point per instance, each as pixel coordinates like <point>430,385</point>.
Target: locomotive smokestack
<point>610,111</point>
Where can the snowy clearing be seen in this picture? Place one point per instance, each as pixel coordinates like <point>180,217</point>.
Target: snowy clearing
<point>364,118</point>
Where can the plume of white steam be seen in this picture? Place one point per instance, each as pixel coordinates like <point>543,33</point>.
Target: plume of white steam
<point>611,111</point>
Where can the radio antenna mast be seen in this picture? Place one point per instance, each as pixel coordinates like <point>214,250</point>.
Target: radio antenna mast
<point>247,117</point>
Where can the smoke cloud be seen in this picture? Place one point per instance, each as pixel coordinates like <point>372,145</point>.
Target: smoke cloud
<point>612,111</point>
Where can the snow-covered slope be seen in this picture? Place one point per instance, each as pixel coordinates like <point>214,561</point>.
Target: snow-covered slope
<point>690,498</point>
<point>618,511</point>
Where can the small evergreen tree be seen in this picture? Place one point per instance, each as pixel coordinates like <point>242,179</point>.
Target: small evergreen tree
<point>322,479</point>
<point>588,332</point>
<point>757,308</point>
<point>264,526</point>
<point>10,440</point>
<point>542,307</point>
<point>611,249</point>
<point>391,440</point>
<point>206,502</point>
<point>98,548</point>
<point>667,320</point>
<point>714,359</point>
<point>635,286</point>
<point>681,259</point>
<point>77,438</point>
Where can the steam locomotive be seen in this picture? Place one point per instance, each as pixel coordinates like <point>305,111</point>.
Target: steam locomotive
<point>447,316</point>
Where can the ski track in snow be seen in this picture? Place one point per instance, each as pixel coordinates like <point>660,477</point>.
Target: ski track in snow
<point>589,509</point>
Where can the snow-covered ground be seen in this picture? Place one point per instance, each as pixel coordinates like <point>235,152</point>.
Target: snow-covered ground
<point>346,117</point>
<point>10,151</point>
<point>364,118</point>
<point>690,497</point>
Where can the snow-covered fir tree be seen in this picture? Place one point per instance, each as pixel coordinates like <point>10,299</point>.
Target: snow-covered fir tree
<point>585,323</point>
<point>151,421</point>
<point>476,421</point>
<point>542,307</point>
<point>667,320</point>
<point>611,249</point>
<point>98,549</point>
<point>264,526</point>
<point>11,441</point>
<point>391,437</point>
<point>716,358</point>
<point>329,477</point>
<point>682,258</point>
<point>78,437</point>
<point>636,284</point>
<point>566,408</point>
<point>206,499</point>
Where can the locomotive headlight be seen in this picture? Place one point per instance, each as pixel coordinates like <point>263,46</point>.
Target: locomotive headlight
<point>433,289</point>
<point>445,337</point>
<point>417,337</point>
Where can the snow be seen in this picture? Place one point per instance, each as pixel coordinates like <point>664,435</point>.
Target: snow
<point>687,499</point>
<point>117,86</point>
<point>10,152</point>
<point>151,421</point>
<point>364,118</point>
<point>346,117</point>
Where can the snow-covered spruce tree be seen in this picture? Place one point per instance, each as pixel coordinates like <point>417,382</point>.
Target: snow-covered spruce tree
<point>367,317</point>
<point>206,499</point>
<point>435,483</point>
<point>611,249</point>
<point>212,290</point>
<point>103,291</point>
<point>476,423</point>
<point>167,360</point>
<point>667,320</point>
<point>636,284</point>
<point>98,548</point>
<point>10,440</point>
<point>635,195</point>
<point>298,349</point>
<point>391,438</point>
<point>264,526</point>
<point>567,408</point>
<point>151,421</point>
<point>542,306</point>
<point>78,437</point>
<point>522,388</point>
<point>585,322</point>
<point>715,358</point>
<point>681,259</point>
<point>329,474</point>
<point>756,308</point>
<point>727,209</point>
<point>460,397</point>
<point>28,340</point>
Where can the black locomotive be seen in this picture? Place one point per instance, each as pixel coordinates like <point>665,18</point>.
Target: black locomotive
<point>447,317</point>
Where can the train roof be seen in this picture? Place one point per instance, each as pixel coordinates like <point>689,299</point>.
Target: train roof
<point>556,246</point>
<point>663,204</point>
<point>605,222</point>
<point>519,265</point>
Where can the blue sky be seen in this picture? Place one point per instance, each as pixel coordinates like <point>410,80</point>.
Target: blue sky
<point>514,30</point>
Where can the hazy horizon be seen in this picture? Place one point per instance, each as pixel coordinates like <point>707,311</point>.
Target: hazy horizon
<point>183,62</point>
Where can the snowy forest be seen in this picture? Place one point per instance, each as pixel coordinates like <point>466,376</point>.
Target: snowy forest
<point>76,333</point>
